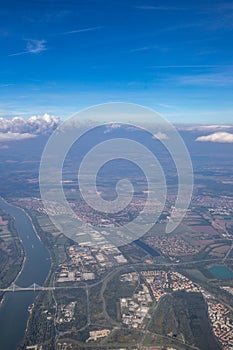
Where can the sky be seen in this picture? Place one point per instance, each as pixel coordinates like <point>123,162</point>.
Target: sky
<point>58,57</point>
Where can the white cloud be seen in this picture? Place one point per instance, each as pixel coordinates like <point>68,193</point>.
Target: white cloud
<point>34,125</point>
<point>212,79</point>
<point>111,127</point>
<point>83,30</point>
<point>160,136</point>
<point>14,136</point>
<point>213,127</point>
<point>220,137</point>
<point>36,46</point>
<point>33,47</point>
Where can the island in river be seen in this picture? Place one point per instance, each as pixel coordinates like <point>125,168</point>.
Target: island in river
<point>11,251</point>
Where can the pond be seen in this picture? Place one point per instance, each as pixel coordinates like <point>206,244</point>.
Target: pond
<point>220,272</point>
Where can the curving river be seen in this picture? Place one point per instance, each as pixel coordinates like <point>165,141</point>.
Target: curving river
<point>14,310</point>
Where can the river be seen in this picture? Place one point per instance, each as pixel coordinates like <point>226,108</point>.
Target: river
<point>14,310</point>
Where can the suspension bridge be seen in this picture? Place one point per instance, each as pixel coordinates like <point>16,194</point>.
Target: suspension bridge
<point>33,287</point>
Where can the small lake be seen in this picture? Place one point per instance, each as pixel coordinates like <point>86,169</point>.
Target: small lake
<point>220,272</point>
<point>147,248</point>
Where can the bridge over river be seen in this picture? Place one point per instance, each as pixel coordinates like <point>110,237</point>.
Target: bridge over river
<point>34,287</point>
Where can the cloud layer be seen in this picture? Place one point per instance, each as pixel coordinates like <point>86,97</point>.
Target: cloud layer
<point>220,137</point>
<point>214,128</point>
<point>14,136</point>
<point>19,128</point>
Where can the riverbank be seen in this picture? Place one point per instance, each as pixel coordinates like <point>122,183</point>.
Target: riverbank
<point>16,256</point>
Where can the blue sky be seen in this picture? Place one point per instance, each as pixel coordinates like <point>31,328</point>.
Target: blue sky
<point>174,56</point>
